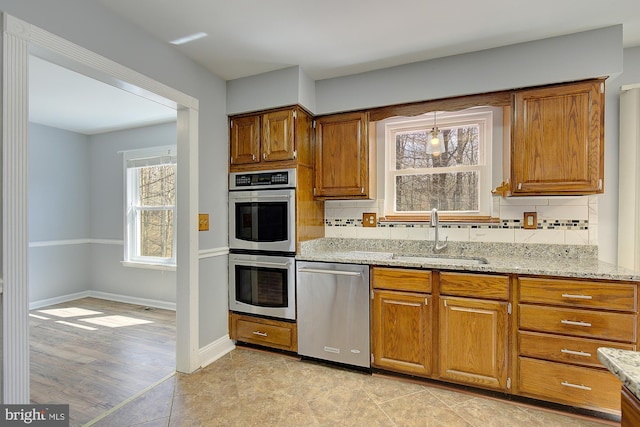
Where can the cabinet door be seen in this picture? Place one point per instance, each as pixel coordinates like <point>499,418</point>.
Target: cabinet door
<point>342,156</point>
<point>402,332</point>
<point>245,140</point>
<point>473,342</point>
<point>557,144</point>
<point>278,137</point>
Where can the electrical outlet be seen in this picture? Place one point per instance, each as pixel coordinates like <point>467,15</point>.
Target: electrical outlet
<point>369,220</point>
<point>203,222</point>
<point>530,220</point>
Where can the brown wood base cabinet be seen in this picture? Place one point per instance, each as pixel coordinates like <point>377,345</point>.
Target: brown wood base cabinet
<point>266,332</point>
<point>402,321</point>
<point>474,329</point>
<point>561,324</point>
<point>630,409</point>
<point>473,342</point>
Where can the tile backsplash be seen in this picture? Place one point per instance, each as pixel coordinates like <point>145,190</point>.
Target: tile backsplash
<point>567,220</point>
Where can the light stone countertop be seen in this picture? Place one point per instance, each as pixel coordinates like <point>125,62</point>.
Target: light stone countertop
<point>624,364</point>
<point>576,261</point>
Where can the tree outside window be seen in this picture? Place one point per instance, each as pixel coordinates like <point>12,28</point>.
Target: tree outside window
<point>151,207</point>
<point>451,181</point>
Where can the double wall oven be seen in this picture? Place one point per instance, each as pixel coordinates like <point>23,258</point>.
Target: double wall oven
<point>262,242</point>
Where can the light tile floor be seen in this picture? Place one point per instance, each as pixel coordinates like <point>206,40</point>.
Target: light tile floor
<point>253,388</point>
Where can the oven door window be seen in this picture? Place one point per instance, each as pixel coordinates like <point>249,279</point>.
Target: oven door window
<point>262,221</point>
<point>263,287</point>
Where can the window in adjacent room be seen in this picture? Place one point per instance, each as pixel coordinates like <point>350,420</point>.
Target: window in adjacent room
<point>456,180</point>
<point>150,206</point>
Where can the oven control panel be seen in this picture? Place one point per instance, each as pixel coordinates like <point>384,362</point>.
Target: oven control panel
<point>284,178</point>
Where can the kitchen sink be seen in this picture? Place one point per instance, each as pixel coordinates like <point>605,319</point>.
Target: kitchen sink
<point>432,259</point>
<point>369,255</point>
<point>441,260</point>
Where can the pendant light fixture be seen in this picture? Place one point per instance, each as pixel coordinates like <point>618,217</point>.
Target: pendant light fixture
<point>435,146</point>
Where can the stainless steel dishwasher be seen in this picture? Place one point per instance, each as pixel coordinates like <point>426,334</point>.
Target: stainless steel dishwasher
<point>333,312</point>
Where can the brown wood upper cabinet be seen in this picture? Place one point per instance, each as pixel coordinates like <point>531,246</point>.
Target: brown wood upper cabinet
<point>344,157</point>
<point>263,139</point>
<point>557,144</point>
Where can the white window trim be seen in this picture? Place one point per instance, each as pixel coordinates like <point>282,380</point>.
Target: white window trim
<point>482,116</point>
<point>130,243</point>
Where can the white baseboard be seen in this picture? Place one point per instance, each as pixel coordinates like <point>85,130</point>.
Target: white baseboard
<point>103,295</point>
<point>58,300</point>
<point>134,300</point>
<point>214,351</point>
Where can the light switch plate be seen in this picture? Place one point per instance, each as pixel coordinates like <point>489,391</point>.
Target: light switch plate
<point>369,220</point>
<point>530,220</point>
<point>203,222</point>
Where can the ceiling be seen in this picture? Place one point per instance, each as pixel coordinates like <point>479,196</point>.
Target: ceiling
<point>327,38</point>
<point>64,99</point>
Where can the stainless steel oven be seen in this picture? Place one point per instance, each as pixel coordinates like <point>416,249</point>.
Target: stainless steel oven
<point>262,242</point>
<point>262,211</point>
<point>262,284</point>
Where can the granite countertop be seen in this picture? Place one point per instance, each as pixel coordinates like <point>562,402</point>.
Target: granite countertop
<point>624,364</point>
<point>576,261</point>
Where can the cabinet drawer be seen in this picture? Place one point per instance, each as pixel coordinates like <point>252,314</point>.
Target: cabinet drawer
<point>574,293</point>
<point>582,323</point>
<point>581,351</point>
<point>573,385</point>
<point>475,285</point>
<point>402,279</point>
<point>265,332</point>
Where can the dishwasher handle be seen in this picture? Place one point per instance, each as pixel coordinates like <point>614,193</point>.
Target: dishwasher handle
<point>332,272</point>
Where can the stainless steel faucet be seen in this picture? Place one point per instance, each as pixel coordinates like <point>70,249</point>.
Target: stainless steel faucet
<point>437,248</point>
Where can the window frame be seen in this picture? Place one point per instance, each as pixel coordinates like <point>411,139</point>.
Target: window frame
<point>481,116</point>
<point>156,156</point>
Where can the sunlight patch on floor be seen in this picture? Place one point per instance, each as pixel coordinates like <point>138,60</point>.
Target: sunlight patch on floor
<point>116,321</point>
<point>75,325</point>
<point>38,317</point>
<point>69,312</point>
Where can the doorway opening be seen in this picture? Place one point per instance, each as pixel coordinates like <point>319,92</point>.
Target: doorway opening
<point>22,40</point>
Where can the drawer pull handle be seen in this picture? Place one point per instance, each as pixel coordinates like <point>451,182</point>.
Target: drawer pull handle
<point>581,386</point>
<point>262,334</point>
<point>575,353</point>
<point>572,296</point>
<point>572,323</point>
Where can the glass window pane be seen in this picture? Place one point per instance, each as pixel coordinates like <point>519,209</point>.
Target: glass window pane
<point>461,148</point>
<point>445,191</point>
<point>411,148</point>
<point>157,185</point>
<point>156,233</point>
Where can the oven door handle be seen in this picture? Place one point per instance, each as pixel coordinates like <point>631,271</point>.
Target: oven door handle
<point>333,272</point>
<point>261,197</point>
<point>268,264</point>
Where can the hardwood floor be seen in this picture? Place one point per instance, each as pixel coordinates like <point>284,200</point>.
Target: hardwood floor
<point>94,354</point>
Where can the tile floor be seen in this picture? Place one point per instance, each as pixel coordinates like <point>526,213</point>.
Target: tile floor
<point>253,388</point>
